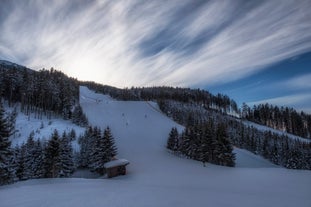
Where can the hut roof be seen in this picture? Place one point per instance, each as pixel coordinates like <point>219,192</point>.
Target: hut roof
<point>116,163</point>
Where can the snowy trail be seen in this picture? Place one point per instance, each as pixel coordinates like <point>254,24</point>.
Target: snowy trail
<point>156,177</point>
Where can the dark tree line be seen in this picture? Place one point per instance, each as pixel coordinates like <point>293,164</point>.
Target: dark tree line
<point>6,155</point>
<point>205,142</point>
<point>51,159</point>
<point>217,102</point>
<point>54,158</point>
<point>97,148</point>
<point>281,118</point>
<point>187,113</point>
<point>37,159</point>
<point>279,149</point>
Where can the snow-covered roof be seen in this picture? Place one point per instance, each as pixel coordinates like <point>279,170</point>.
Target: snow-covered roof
<point>115,163</point>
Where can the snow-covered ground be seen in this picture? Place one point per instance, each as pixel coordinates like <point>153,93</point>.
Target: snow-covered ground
<point>158,178</point>
<point>43,128</point>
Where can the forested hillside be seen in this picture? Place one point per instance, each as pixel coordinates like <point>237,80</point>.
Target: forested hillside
<point>49,92</point>
<point>219,102</point>
<point>279,149</point>
<point>281,118</point>
<point>45,92</point>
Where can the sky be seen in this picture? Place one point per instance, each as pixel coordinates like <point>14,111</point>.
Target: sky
<point>253,51</point>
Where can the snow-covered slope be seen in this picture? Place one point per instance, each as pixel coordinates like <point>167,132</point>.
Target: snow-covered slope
<point>156,177</point>
<point>248,159</point>
<point>43,128</point>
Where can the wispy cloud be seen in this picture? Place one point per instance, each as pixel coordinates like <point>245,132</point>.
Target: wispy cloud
<point>125,43</point>
<point>300,82</point>
<point>299,101</point>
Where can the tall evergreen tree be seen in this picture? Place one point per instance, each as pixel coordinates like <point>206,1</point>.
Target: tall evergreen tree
<point>98,155</point>
<point>208,144</point>
<point>109,143</point>
<point>52,156</point>
<point>21,163</point>
<point>86,146</point>
<point>66,156</point>
<point>6,169</point>
<point>224,154</point>
<point>173,140</point>
<point>78,117</point>
<point>185,142</point>
<point>38,157</point>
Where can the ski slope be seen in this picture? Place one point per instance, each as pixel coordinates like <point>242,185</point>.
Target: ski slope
<point>158,178</point>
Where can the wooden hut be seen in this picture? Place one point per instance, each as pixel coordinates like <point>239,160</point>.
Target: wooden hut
<point>116,167</point>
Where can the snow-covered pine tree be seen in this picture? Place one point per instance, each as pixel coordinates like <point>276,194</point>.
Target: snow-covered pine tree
<point>98,155</point>
<point>109,143</point>
<point>21,168</point>
<point>173,140</point>
<point>265,145</point>
<point>196,142</point>
<point>86,143</point>
<point>224,149</point>
<point>38,156</point>
<point>11,119</point>
<point>6,155</point>
<point>52,162</point>
<point>29,157</point>
<point>66,156</point>
<point>78,117</point>
<point>185,142</point>
<point>207,143</point>
<point>193,144</point>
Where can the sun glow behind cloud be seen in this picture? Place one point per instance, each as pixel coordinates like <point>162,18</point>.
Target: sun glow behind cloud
<point>141,43</point>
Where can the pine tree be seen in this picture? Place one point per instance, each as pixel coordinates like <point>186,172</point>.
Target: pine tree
<point>196,135</point>
<point>207,144</point>
<point>109,143</point>
<point>99,153</point>
<point>224,154</point>
<point>21,162</point>
<point>11,119</point>
<point>185,143</point>
<point>66,156</point>
<point>173,140</point>
<point>265,145</point>
<point>6,155</point>
<point>52,156</point>
<point>38,157</point>
<point>86,142</point>
<point>29,157</point>
<point>78,117</point>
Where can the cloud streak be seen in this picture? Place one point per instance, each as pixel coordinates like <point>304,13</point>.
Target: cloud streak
<point>300,101</point>
<point>141,43</point>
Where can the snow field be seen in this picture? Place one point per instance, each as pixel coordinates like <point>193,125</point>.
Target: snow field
<point>158,178</point>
